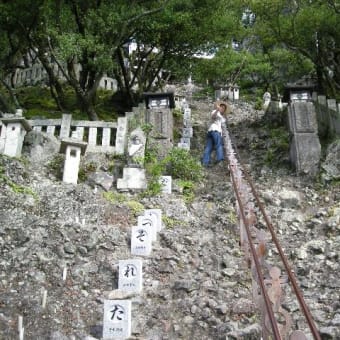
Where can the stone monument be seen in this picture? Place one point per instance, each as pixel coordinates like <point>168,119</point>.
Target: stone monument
<point>13,132</point>
<point>117,319</point>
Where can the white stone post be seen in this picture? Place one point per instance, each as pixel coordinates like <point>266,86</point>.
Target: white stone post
<point>236,91</point>
<point>73,149</point>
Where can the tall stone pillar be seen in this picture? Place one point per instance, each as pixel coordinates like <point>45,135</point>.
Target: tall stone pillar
<point>305,148</point>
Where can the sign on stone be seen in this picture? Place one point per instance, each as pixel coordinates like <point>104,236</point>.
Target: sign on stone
<point>151,221</point>
<point>188,132</point>
<point>141,240</point>
<point>187,123</point>
<point>185,140</point>
<point>130,275</point>
<point>117,319</point>
<point>166,182</point>
<point>187,113</point>
<point>158,214</point>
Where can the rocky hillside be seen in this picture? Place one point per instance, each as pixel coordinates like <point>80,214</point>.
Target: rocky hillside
<point>196,284</point>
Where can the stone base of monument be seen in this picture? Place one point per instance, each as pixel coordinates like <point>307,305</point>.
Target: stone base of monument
<point>305,153</point>
<point>133,178</point>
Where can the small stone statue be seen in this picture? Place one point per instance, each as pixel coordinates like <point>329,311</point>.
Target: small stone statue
<point>136,148</point>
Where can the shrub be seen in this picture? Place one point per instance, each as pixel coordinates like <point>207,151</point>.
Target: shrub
<point>182,165</point>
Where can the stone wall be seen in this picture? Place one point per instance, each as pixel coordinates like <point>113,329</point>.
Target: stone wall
<point>328,116</point>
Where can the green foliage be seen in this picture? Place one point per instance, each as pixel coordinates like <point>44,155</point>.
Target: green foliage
<point>135,207</point>
<point>258,104</point>
<point>56,165</point>
<point>147,128</point>
<point>181,164</point>
<point>114,197</point>
<point>154,170</point>
<point>310,30</point>
<point>278,146</point>
<point>170,223</point>
<point>188,190</point>
<point>17,188</point>
<point>37,102</point>
<point>85,170</point>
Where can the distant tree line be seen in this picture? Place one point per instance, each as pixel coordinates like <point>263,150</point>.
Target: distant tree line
<point>276,41</point>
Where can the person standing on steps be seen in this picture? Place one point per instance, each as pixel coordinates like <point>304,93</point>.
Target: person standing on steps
<point>214,136</point>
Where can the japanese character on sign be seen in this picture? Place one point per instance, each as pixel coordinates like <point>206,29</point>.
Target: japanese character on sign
<point>117,313</point>
<point>130,270</point>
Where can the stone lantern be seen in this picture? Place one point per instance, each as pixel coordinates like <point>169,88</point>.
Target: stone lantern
<point>301,90</point>
<point>233,92</point>
<point>236,92</point>
<point>73,149</point>
<point>13,133</point>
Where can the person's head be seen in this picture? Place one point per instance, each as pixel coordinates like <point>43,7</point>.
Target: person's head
<point>222,107</point>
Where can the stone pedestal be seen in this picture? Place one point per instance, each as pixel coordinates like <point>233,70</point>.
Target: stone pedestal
<point>133,178</point>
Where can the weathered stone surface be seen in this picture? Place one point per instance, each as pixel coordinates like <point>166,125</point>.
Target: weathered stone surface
<point>331,165</point>
<point>196,284</point>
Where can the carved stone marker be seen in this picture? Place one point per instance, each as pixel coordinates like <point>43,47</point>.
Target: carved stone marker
<point>188,132</point>
<point>117,319</point>
<point>130,275</point>
<point>141,240</point>
<point>305,148</point>
<point>166,182</point>
<point>151,221</point>
<point>187,114</point>
<point>136,147</point>
<point>302,117</point>
<point>158,214</point>
<point>121,135</point>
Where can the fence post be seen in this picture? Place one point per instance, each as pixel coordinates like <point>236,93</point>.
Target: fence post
<point>65,127</point>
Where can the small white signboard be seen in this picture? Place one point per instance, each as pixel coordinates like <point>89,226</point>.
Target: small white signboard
<point>141,240</point>
<point>130,275</point>
<point>188,132</point>
<point>187,113</point>
<point>117,319</point>
<point>166,182</point>
<point>158,214</point>
<point>151,221</point>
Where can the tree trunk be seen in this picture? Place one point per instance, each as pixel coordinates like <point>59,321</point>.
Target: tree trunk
<point>4,103</point>
<point>55,87</point>
<point>13,96</point>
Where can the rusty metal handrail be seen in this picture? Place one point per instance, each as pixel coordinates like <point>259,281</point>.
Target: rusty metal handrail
<point>283,257</point>
<point>257,264</point>
<point>239,186</point>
